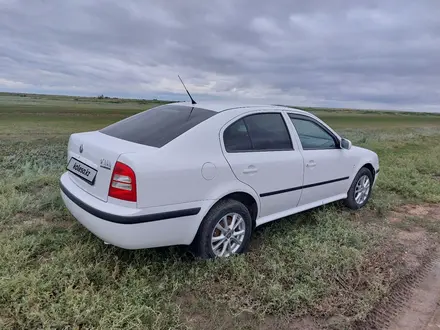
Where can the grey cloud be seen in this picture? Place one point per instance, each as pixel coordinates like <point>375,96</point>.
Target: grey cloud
<point>334,53</point>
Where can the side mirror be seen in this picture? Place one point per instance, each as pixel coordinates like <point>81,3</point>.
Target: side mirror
<point>345,144</point>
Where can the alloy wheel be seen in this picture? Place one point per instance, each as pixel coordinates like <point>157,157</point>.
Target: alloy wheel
<point>228,235</point>
<point>362,189</point>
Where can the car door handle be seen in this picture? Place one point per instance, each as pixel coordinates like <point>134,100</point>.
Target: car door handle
<point>311,164</point>
<point>251,169</point>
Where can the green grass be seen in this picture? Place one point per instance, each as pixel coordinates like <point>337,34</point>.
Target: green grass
<point>325,263</point>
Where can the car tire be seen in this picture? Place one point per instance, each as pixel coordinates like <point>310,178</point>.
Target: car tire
<point>357,196</point>
<point>218,226</point>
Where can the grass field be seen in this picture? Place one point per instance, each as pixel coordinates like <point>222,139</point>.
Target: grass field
<point>324,268</point>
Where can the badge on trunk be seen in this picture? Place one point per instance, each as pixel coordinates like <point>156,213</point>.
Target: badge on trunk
<point>105,164</point>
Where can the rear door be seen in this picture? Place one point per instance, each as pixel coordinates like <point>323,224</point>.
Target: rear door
<point>327,166</point>
<point>259,149</point>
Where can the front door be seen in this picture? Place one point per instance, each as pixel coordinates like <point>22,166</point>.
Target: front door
<point>326,166</point>
<point>259,149</point>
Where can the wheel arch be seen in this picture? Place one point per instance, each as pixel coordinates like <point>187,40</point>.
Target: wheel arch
<point>350,200</point>
<point>369,167</point>
<point>248,199</point>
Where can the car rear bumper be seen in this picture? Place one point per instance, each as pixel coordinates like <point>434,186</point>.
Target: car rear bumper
<point>132,228</point>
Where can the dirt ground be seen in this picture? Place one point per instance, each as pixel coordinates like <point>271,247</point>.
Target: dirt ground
<point>422,310</point>
<point>414,303</point>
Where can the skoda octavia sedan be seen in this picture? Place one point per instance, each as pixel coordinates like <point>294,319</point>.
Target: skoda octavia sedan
<point>207,174</point>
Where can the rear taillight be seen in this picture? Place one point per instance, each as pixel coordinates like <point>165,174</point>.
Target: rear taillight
<point>123,183</point>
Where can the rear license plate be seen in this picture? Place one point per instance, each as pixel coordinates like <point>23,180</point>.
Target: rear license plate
<point>82,170</point>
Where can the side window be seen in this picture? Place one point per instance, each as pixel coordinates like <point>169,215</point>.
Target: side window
<point>268,131</point>
<point>312,135</point>
<point>258,132</point>
<point>236,137</point>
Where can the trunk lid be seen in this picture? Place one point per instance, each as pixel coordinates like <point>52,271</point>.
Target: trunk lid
<point>91,158</point>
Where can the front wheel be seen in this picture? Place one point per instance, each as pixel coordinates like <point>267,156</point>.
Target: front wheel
<point>225,230</point>
<point>360,190</point>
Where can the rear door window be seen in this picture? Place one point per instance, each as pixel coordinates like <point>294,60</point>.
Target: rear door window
<point>236,137</point>
<point>268,132</point>
<point>258,132</point>
<point>158,126</point>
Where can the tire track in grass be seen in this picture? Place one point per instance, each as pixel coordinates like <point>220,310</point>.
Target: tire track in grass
<point>397,310</point>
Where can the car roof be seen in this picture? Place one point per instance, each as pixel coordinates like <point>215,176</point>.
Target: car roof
<point>219,106</point>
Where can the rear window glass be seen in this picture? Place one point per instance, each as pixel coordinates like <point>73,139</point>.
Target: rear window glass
<point>158,126</point>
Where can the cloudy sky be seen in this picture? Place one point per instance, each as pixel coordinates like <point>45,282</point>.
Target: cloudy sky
<point>346,53</point>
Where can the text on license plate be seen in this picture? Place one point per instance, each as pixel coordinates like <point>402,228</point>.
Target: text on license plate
<point>82,170</point>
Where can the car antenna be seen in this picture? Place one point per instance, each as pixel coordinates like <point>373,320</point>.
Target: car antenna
<point>192,100</point>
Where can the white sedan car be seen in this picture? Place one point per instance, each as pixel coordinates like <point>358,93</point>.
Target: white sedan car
<point>206,175</point>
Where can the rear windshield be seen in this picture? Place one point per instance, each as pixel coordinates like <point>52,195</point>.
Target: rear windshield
<point>158,126</point>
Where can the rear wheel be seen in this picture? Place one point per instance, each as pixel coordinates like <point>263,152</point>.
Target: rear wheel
<point>225,230</point>
<point>360,190</point>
